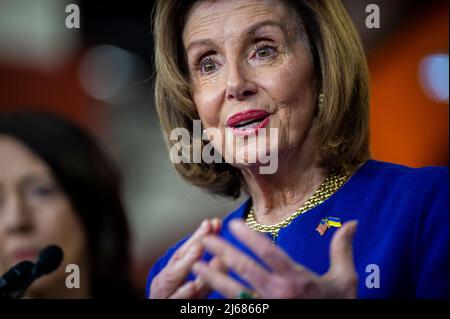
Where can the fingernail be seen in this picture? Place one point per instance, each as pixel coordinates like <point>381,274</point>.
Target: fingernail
<point>217,224</point>
<point>204,224</point>
<point>353,229</point>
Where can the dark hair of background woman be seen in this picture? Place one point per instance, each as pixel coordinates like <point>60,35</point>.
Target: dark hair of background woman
<point>92,183</point>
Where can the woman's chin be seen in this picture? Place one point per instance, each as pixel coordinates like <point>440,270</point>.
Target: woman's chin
<point>42,287</point>
<point>253,158</point>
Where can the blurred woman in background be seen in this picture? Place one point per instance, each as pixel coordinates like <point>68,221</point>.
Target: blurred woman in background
<point>58,187</point>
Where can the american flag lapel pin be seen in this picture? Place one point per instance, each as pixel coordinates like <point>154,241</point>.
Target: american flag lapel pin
<point>326,223</point>
<point>322,227</point>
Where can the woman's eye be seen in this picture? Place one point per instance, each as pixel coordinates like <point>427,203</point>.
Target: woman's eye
<point>207,66</point>
<point>41,191</point>
<point>265,51</point>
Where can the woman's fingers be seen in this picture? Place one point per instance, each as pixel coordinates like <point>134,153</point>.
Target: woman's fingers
<point>172,277</point>
<point>340,281</point>
<point>206,227</point>
<point>242,264</point>
<point>273,256</point>
<point>218,280</point>
<point>341,249</point>
<point>342,268</point>
<point>186,291</point>
<point>203,230</point>
<point>203,289</point>
<point>216,225</point>
<point>193,289</point>
<point>177,271</point>
<point>198,288</point>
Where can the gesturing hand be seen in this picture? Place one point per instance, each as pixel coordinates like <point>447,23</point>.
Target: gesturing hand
<point>170,282</point>
<point>286,278</point>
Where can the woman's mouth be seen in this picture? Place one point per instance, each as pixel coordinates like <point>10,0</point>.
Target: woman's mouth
<point>24,254</point>
<point>248,122</point>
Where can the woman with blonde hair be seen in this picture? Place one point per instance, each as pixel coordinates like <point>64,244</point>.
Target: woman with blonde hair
<point>289,78</point>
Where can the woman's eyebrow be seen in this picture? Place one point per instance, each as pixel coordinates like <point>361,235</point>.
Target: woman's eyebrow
<point>200,43</point>
<point>35,177</point>
<point>253,30</point>
<point>249,32</point>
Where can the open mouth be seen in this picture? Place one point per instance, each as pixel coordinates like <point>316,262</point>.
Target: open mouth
<point>248,124</point>
<point>248,119</point>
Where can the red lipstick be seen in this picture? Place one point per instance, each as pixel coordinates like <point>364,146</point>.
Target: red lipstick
<point>248,122</point>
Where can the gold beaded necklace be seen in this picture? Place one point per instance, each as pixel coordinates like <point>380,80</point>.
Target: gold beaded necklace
<point>331,184</point>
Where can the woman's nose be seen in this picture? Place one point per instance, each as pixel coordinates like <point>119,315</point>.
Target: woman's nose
<point>16,217</point>
<point>239,83</point>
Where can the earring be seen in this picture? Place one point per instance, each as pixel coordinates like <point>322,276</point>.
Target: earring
<point>321,100</point>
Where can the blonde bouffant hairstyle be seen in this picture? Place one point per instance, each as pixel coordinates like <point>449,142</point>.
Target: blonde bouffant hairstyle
<point>341,123</point>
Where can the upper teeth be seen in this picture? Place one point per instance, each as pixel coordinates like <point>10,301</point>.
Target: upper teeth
<point>246,122</point>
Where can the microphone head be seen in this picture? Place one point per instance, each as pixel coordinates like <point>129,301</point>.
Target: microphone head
<point>16,277</point>
<point>48,260</point>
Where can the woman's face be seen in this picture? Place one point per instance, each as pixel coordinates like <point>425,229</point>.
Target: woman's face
<point>250,68</point>
<point>34,212</point>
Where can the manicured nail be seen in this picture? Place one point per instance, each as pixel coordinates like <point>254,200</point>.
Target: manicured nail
<point>204,224</point>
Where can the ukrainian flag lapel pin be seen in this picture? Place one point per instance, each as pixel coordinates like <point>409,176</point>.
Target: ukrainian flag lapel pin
<point>326,223</point>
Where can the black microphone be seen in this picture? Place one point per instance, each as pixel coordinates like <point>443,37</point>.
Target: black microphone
<point>15,278</point>
<point>48,260</point>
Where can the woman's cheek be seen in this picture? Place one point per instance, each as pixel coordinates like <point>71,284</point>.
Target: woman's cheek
<point>208,104</point>
<point>56,219</point>
<point>283,83</point>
